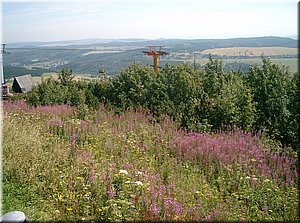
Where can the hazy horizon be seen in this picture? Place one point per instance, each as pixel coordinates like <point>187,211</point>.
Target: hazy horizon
<point>294,37</point>
<point>27,21</point>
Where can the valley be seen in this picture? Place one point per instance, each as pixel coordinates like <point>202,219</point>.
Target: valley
<point>87,57</point>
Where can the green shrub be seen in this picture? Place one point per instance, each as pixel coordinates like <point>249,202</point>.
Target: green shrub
<point>275,94</point>
<point>198,99</point>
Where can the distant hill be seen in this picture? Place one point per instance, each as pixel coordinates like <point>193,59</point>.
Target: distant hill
<point>89,55</point>
<point>202,44</point>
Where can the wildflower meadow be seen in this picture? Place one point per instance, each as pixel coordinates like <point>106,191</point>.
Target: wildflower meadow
<point>128,166</point>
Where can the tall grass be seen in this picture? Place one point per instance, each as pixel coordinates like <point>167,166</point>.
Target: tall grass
<point>127,167</point>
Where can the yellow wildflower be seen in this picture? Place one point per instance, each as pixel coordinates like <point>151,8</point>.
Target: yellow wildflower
<point>69,209</point>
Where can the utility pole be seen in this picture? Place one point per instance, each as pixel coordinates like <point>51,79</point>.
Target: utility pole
<point>195,58</point>
<point>4,88</point>
<point>155,54</point>
<point>1,64</point>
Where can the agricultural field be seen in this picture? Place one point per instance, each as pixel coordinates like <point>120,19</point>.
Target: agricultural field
<point>252,55</point>
<point>77,77</point>
<point>251,51</point>
<point>292,63</point>
<point>125,166</point>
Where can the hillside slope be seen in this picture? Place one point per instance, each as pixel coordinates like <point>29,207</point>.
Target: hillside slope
<point>113,55</point>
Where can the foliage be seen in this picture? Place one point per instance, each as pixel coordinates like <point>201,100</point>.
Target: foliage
<point>131,87</point>
<point>195,99</point>
<point>124,168</point>
<point>63,91</point>
<point>199,100</point>
<point>230,101</point>
<point>275,94</point>
<point>65,76</point>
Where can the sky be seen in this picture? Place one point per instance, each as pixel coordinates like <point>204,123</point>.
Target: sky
<point>28,21</point>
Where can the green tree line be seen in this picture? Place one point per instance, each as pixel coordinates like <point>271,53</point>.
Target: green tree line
<point>265,98</point>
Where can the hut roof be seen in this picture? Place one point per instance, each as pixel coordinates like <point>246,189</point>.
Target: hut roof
<point>25,82</point>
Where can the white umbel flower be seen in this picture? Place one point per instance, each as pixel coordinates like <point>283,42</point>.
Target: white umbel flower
<point>138,183</point>
<point>123,172</point>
